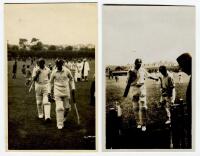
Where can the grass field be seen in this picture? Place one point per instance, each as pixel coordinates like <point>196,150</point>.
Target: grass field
<point>27,132</point>
<point>156,114</point>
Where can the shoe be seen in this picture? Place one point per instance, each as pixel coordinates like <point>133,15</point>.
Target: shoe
<point>41,116</point>
<point>48,120</point>
<point>168,122</point>
<point>139,126</point>
<point>144,128</point>
<point>60,127</point>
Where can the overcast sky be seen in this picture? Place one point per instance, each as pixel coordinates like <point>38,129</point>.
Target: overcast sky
<point>152,33</point>
<point>52,23</point>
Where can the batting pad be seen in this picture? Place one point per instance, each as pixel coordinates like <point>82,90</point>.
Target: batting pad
<point>59,113</point>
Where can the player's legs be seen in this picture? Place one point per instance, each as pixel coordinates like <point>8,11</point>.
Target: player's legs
<point>59,112</point>
<point>46,103</point>
<point>39,107</point>
<point>136,110</point>
<point>143,111</point>
<point>167,108</point>
<point>47,107</point>
<point>39,98</point>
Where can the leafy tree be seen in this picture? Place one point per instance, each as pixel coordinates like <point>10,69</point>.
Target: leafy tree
<point>34,39</point>
<point>69,48</point>
<point>37,47</point>
<point>22,43</point>
<point>15,47</point>
<point>52,47</point>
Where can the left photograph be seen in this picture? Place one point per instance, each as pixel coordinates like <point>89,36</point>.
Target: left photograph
<point>51,51</point>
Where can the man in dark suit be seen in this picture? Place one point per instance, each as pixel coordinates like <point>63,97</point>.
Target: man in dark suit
<point>185,63</point>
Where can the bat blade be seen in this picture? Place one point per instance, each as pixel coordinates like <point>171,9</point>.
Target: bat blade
<point>126,90</point>
<point>77,114</point>
<point>31,87</point>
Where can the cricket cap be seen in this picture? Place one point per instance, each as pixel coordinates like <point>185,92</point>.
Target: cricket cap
<point>138,61</point>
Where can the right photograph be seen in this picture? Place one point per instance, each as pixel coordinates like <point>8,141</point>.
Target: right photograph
<point>147,58</point>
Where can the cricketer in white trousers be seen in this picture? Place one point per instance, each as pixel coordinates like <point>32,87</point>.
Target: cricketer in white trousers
<point>61,81</point>
<point>167,83</point>
<point>79,70</point>
<point>41,90</point>
<point>139,96</point>
<point>86,67</point>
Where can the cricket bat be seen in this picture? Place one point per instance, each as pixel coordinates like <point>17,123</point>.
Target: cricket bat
<point>76,109</point>
<point>77,114</point>
<point>31,86</point>
<point>132,78</point>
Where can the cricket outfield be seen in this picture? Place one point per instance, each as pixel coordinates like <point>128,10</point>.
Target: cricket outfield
<point>157,134</point>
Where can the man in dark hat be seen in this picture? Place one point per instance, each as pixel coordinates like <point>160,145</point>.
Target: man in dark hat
<point>185,63</point>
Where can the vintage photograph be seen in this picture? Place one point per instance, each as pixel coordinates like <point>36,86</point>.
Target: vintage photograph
<point>147,58</point>
<point>51,52</point>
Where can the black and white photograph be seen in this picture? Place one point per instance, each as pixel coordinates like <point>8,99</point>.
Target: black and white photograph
<point>51,49</point>
<point>147,59</point>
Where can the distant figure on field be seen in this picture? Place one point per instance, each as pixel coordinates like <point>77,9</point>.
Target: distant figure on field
<point>85,70</point>
<point>116,78</point>
<point>28,76</point>
<point>24,70</point>
<point>14,70</point>
<point>79,67</point>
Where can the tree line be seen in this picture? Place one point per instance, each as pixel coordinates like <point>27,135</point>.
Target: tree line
<point>51,54</point>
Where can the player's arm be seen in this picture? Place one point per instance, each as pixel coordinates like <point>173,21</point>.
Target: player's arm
<point>150,76</point>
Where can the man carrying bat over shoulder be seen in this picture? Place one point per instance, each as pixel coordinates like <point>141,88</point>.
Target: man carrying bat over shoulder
<point>40,76</point>
<point>136,81</point>
<point>62,80</point>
